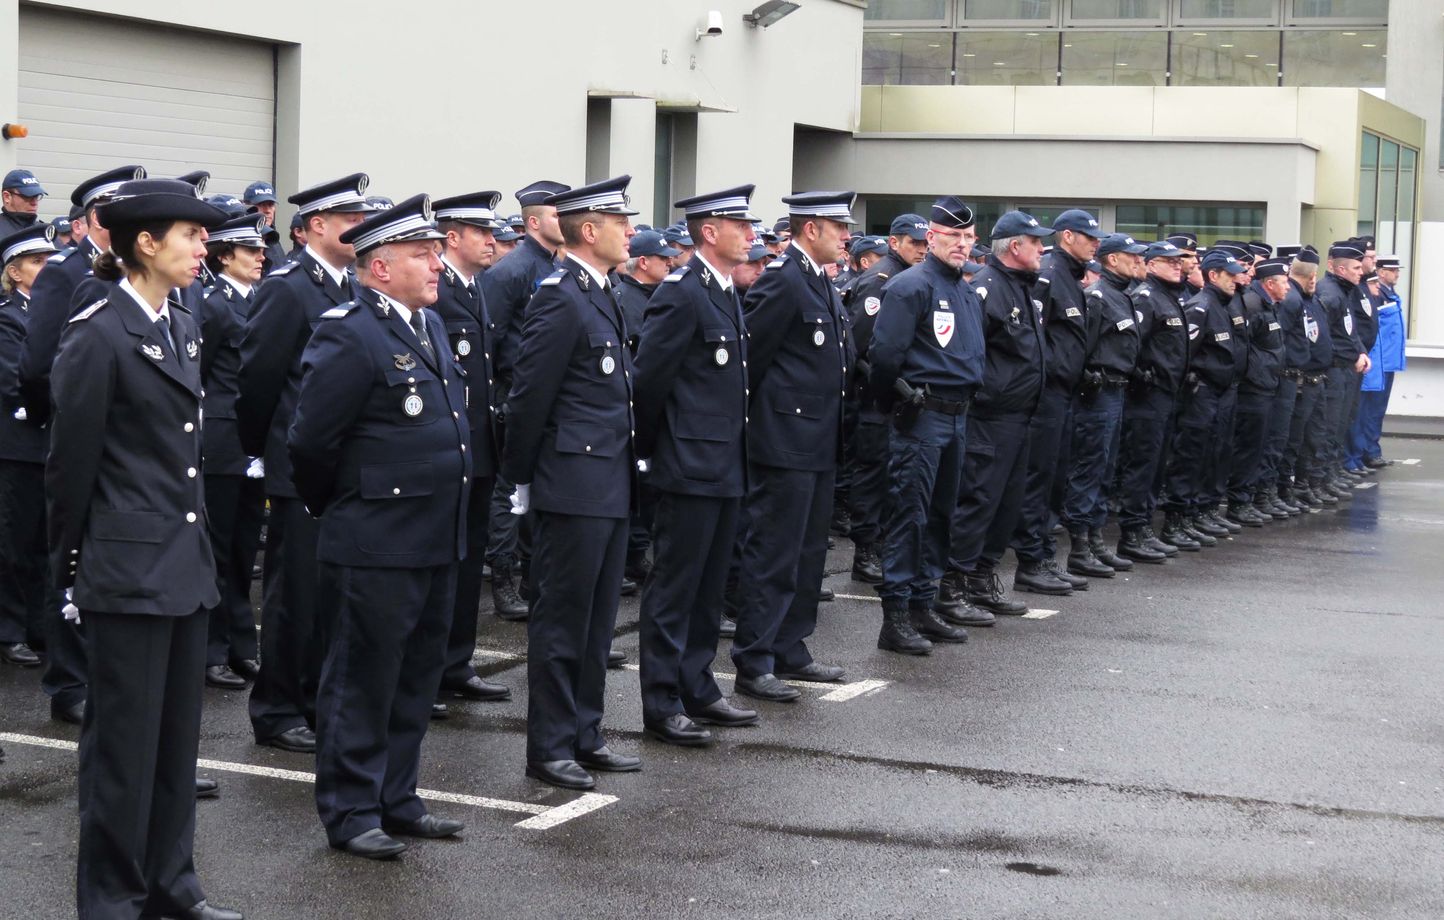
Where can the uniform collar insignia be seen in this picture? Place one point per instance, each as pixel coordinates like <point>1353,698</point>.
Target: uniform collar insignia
<point>318,273</point>
<point>450,276</point>
<point>153,352</point>
<point>191,349</point>
<point>405,362</point>
<point>706,276</point>
<point>584,279</point>
<point>230,292</point>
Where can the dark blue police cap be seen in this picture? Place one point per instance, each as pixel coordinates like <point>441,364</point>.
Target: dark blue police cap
<point>1094,266</point>
<point>951,211</point>
<point>1269,268</point>
<point>232,205</point>
<point>476,208</point>
<point>62,225</point>
<point>1308,255</point>
<point>1260,249</point>
<point>380,203</point>
<point>971,268</point>
<point>835,206</point>
<point>505,234</point>
<point>347,194</point>
<point>1079,221</point>
<point>144,200</point>
<point>608,196</point>
<point>1388,262</point>
<point>97,187</point>
<point>1120,242</point>
<point>246,230</point>
<point>1235,249</point>
<point>678,236</point>
<point>538,192</point>
<point>913,226</point>
<point>259,192</point>
<point>650,243</point>
<point>197,178</point>
<point>1164,249</point>
<point>1218,259</point>
<point>37,237</point>
<point>758,252</point>
<point>24,182</point>
<point>296,221</point>
<point>407,222</point>
<point>1289,250</point>
<point>866,244</point>
<point>1186,241</point>
<point>1346,249</point>
<point>782,225</point>
<point>1018,223</point>
<point>735,203</point>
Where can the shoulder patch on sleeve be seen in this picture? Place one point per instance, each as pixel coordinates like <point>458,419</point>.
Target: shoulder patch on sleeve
<point>288,267</point>
<point>90,311</point>
<point>1045,279</point>
<point>1143,290</point>
<point>1094,292</point>
<point>677,275</point>
<point>554,278</point>
<point>882,274</point>
<point>338,312</point>
<point>981,291</point>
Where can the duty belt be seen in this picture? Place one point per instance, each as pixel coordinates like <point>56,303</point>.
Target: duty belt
<point>1292,373</point>
<point>1314,379</point>
<point>1117,380</point>
<point>946,406</point>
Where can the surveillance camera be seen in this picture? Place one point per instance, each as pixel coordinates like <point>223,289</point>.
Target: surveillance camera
<point>714,24</point>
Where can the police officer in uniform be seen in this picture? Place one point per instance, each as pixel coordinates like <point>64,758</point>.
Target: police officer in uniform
<point>798,371</point>
<point>235,492</point>
<point>507,287</point>
<point>20,196</point>
<point>25,595</point>
<point>569,451</point>
<point>1338,292</point>
<point>929,336</point>
<point>1274,486</point>
<point>379,450</point>
<point>128,546</point>
<point>260,197</point>
<point>692,392</point>
<point>52,303</point>
<point>1312,347</point>
<point>289,304</point>
<point>868,490</point>
<point>996,462</point>
<point>468,223</point>
<point>1263,334</point>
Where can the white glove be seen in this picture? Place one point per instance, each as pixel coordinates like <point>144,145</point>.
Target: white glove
<point>21,414</point>
<point>257,469</point>
<point>521,499</point>
<point>643,466</point>
<point>70,611</point>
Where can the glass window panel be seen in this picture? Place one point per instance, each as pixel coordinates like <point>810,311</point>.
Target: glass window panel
<point>1211,222</point>
<point>1115,58</point>
<point>1229,9</point>
<point>1007,58</point>
<point>910,58</point>
<point>1225,58</point>
<point>1008,10</point>
<point>881,209</point>
<point>1407,159</point>
<point>907,10</point>
<point>1368,181</point>
<point>1388,179</point>
<point>1329,58</point>
<point>1047,213</point>
<point>1147,10</point>
<point>1373,10</point>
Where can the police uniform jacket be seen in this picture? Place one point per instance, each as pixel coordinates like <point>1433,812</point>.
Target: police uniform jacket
<point>1295,334</point>
<point>798,365</point>
<point>569,415</point>
<point>1366,315</point>
<point>470,332</point>
<point>21,440</point>
<point>15,221</point>
<point>929,333</point>
<point>1337,297</point>
<point>1238,341</point>
<point>1210,334</point>
<point>691,386</point>
<point>1264,341</point>
<point>126,502</point>
<point>52,303</point>
<point>863,298</point>
<point>632,296</point>
<point>1113,336</point>
<point>1158,307</point>
<point>508,286</point>
<point>289,304</point>
<point>378,446</point>
<point>1065,317</point>
<point>1017,352</point>
<point>223,323</point>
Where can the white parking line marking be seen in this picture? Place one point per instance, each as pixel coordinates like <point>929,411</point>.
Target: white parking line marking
<point>543,817</point>
<point>1365,485</point>
<point>1038,614</point>
<point>1412,461</point>
<point>860,597</point>
<point>850,691</point>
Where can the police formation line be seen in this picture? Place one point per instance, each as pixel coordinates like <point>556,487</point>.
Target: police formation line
<point>691,409</point>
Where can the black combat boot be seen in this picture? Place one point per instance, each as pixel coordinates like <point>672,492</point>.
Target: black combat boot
<point>1190,527</point>
<point>952,605</point>
<point>866,566</point>
<point>1151,540</point>
<point>898,634</point>
<point>505,600</point>
<point>986,591</point>
<point>1133,546</point>
<point>1035,577</point>
<point>1103,554</point>
<point>1218,520</point>
<point>1243,514</point>
<point>1076,582</point>
<point>932,627</point>
<point>1173,532</point>
<point>1082,560</point>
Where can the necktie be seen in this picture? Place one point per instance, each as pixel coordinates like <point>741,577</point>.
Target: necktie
<point>418,323</point>
<point>164,324</point>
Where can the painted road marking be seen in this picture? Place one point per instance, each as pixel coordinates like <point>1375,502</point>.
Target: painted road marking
<point>859,597</point>
<point>543,817</point>
<point>1038,614</point>
<point>836,693</point>
<point>1412,461</point>
<point>1364,485</point>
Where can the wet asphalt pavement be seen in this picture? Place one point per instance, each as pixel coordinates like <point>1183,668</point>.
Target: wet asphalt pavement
<point>1253,731</point>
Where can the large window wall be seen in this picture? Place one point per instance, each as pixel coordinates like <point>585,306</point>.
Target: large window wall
<point>1210,221</point>
<point>1126,42</point>
<point>1388,180</point>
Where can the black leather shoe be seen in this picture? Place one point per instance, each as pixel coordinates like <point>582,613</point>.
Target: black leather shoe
<point>74,713</point>
<point>440,712</point>
<point>607,761</point>
<point>814,671</point>
<point>825,596</point>
<point>1082,560</point>
<point>298,740</point>
<point>204,911</point>
<point>428,826</point>
<point>1244,514</point>
<point>249,668</point>
<point>1174,533</point>
<point>374,844</point>
<point>629,587</point>
<point>207,788</point>
<point>933,628</point>
<point>768,688</point>
<point>478,688</point>
<point>20,654</point>
<point>565,774</point>
<point>728,629</point>
<point>616,659</point>
<point>723,713</point>
<point>677,729</point>
<point>223,678</point>
<point>1190,527</point>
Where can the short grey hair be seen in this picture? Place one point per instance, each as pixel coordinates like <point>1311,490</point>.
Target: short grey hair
<point>1301,269</point>
<point>632,265</point>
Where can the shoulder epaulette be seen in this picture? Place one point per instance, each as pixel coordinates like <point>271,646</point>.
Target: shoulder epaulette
<point>289,266</point>
<point>208,290</point>
<point>1143,290</point>
<point>338,312</point>
<point>776,263</point>
<point>1045,279</point>
<point>59,256</point>
<point>90,311</point>
<point>677,275</point>
<point>554,278</point>
<point>1094,292</point>
<point>882,274</point>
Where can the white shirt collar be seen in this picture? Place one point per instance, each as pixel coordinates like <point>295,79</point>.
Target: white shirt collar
<point>806,259</point>
<point>242,287</point>
<point>597,276</point>
<point>465,278</point>
<point>337,274</point>
<point>150,311</point>
<point>723,281</point>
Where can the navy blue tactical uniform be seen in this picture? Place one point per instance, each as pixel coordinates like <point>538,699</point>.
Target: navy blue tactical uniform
<point>379,447</point>
<point>1311,345</point>
<point>469,329</point>
<point>929,334</point>
<point>1339,298</point>
<point>1219,461</point>
<point>569,437</point>
<point>691,386</point>
<point>289,304</point>
<point>1263,338</point>
<point>128,537</point>
<point>799,364</point>
<point>1293,337</point>
<point>1157,379</point>
<point>1211,375</point>
<point>235,502</point>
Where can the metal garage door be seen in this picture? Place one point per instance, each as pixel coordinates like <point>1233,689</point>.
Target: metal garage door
<point>98,93</point>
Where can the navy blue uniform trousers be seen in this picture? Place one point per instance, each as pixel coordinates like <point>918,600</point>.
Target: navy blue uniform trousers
<point>284,696</point>
<point>461,642</point>
<point>1093,452</point>
<point>1219,460</point>
<point>1147,410</point>
<point>925,470</point>
<point>868,489</point>
<point>1250,436</point>
<point>235,508</point>
<point>995,468</point>
<point>1276,437</point>
<point>1189,461</point>
<point>1047,433</point>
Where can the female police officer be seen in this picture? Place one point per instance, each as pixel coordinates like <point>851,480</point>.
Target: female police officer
<point>128,546</point>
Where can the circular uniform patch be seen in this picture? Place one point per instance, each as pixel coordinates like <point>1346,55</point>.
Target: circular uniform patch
<point>818,338</point>
<point>412,405</point>
<point>463,347</point>
<point>871,306</point>
<point>721,356</point>
<point>609,364</point>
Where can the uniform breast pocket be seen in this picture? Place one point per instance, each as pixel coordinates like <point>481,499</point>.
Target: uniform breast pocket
<point>465,338</point>
<point>721,343</point>
<point>605,351</point>
<point>122,552</point>
<point>396,497</point>
<point>588,439</point>
<point>412,397</point>
<point>799,404</point>
<point>817,326</point>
